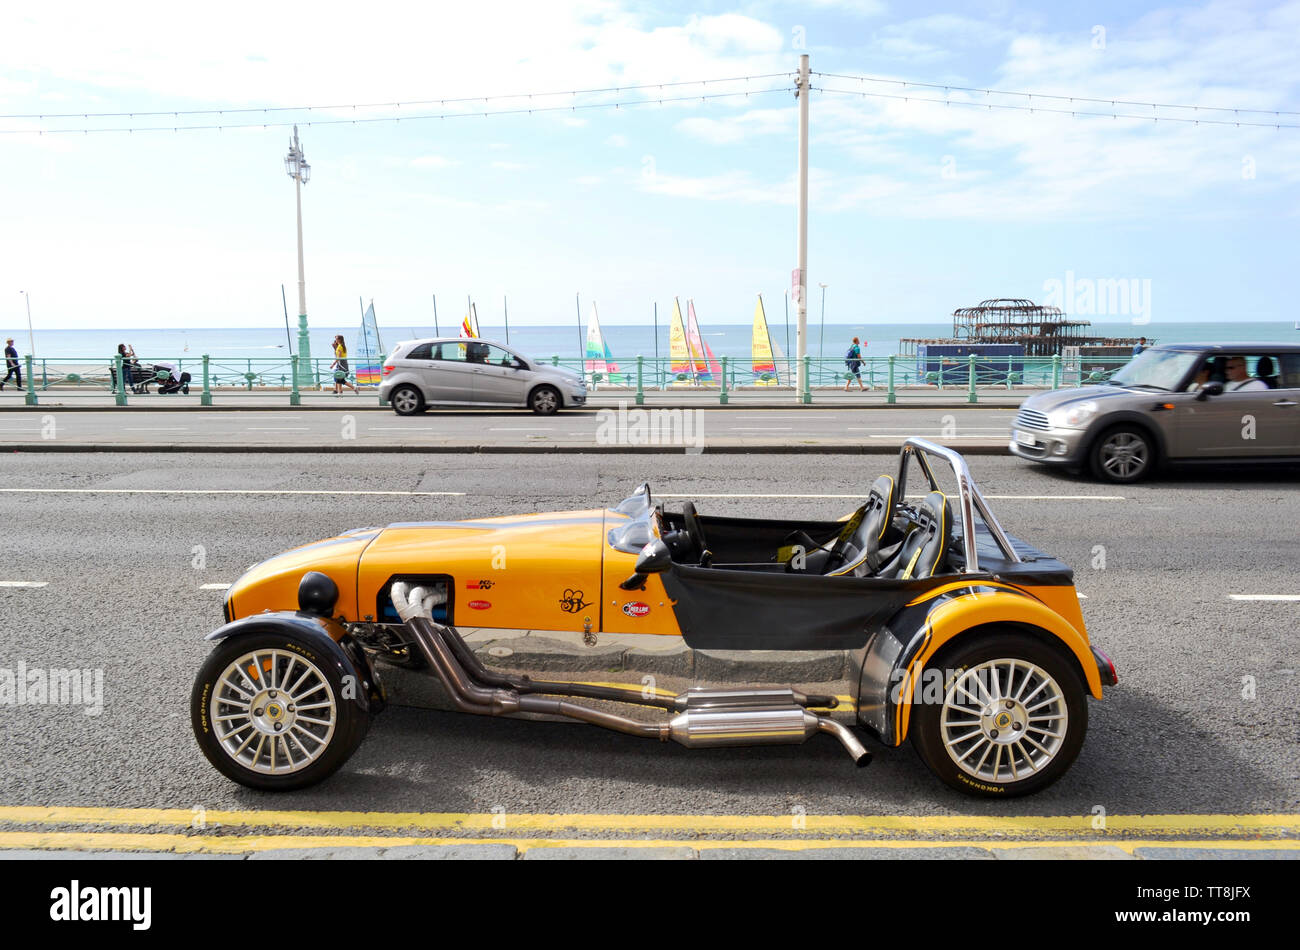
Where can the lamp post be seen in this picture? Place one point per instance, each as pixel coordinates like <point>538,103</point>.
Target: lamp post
<point>295,164</point>
<point>31,338</point>
<point>822,342</point>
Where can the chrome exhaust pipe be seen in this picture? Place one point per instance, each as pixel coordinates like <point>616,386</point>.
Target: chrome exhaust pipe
<point>707,717</point>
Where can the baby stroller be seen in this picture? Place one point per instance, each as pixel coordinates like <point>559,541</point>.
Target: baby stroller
<point>173,384</point>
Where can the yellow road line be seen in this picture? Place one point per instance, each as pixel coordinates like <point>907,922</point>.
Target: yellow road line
<point>881,825</point>
<point>210,844</point>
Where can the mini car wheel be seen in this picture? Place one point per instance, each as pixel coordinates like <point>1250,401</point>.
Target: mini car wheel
<point>407,401</point>
<point>1123,454</point>
<point>271,713</point>
<point>1011,719</point>
<point>544,400</point>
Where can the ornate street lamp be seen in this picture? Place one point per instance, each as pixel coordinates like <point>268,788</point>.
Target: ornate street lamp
<point>295,165</point>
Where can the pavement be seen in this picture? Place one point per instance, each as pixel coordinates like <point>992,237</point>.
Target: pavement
<point>116,563</point>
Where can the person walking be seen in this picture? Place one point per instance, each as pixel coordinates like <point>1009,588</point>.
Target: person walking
<point>12,364</point>
<point>853,360</point>
<point>341,367</point>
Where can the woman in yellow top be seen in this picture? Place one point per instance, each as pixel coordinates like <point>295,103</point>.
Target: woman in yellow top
<point>340,366</point>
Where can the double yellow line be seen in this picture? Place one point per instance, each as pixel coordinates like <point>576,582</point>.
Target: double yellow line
<point>208,831</point>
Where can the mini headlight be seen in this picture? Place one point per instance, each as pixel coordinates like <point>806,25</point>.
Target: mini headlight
<point>1072,417</point>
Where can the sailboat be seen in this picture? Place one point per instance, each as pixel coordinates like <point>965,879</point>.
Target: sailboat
<point>370,351</point>
<point>760,351</point>
<point>469,326</point>
<point>599,363</point>
<point>680,364</point>
<point>706,365</point>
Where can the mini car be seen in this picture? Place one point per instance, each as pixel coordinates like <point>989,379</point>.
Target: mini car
<point>964,639</point>
<point>1175,403</point>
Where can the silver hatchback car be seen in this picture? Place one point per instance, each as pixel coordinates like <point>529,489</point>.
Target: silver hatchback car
<point>1183,402</point>
<point>451,371</point>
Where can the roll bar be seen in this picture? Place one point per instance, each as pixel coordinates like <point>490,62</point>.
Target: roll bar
<point>969,499</point>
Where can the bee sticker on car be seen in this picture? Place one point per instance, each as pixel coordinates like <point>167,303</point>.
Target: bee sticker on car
<point>572,601</point>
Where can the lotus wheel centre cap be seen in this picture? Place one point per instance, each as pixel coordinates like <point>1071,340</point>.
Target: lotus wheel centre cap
<point>1004,721</point>
<point>272,714</point>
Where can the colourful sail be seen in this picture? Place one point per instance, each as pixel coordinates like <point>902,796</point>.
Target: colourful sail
<point>469,326</point>
<point>706,365</point>
<point>763,363</point>
<point>680,363</point>
<point>599,363</point>
<point>370,351</point>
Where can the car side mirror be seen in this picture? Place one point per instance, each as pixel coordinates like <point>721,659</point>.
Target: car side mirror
<point>655,558</point>
<point>1208,390</point>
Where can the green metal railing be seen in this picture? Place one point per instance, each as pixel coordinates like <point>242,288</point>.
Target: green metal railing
<point>893,376</point>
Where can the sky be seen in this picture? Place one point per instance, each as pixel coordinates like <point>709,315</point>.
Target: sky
<point>916,208</point>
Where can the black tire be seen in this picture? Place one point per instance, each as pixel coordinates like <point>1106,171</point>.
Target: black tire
<point>407,401</point>
<point>276,656</point>
<point>544,400</point>
<point>1046,673</point>
<point>1123,454</point>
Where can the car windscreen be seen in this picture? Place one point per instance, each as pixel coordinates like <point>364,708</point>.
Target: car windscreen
<point>633,535</point>
<point>1157,369</point>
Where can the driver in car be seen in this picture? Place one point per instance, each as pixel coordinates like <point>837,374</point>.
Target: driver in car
<point>1239,380</point>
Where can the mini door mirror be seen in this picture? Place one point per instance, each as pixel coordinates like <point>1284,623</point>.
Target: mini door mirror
<point>1208,390</point>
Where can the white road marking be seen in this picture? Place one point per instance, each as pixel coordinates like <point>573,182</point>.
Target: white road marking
<point>913,428</point>
<point>761,428</point>
<point>24,583</point>
<point>528,429</point>
<point>278,428</point>
<point>214,587</point>
<point>1080,596</point>
<point>216,491</point>
<point>932,436</point>
<point>157,428</point>
<point>910,495</point>
<point>1285,597</point>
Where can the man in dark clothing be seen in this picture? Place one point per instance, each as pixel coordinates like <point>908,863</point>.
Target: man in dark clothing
<point>12,364</point>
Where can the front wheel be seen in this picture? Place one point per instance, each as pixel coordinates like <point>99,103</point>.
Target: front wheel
<point>407,401</point>
<point>1123,455</point>
<point>270,711</point>
<point>1010,720</point>
<point>544,400</point>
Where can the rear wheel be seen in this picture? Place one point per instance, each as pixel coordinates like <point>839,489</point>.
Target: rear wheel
<point>271,712</point>
<point>544,400</point>
<point>1123,454</point>
<point>407,401</point>
<point>1011,719</point>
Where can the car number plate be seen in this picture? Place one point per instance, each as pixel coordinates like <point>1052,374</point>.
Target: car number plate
<point>1024,438</point>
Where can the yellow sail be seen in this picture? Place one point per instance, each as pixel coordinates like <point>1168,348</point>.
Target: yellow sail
<point>764,366</point>
<point>680,364</point>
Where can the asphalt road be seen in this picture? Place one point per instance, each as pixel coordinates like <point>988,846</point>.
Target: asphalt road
<point>1175,736</point>
<point>713,427</point>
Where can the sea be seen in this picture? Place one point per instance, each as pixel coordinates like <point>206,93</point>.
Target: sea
<point>225,345</point>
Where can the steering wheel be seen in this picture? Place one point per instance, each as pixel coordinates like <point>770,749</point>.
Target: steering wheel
<point>693,530</point>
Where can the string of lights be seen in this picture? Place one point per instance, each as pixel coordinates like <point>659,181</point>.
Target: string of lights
<point>405,103</point>
<point>1070,112</point>
<point>309,123</point>
<point>1059,98</point>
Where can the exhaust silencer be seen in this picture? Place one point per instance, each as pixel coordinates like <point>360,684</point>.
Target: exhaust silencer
<point>756,718</point>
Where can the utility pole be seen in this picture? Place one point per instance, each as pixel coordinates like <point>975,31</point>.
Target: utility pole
<point>800,282</point>
<point>295,164</point>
